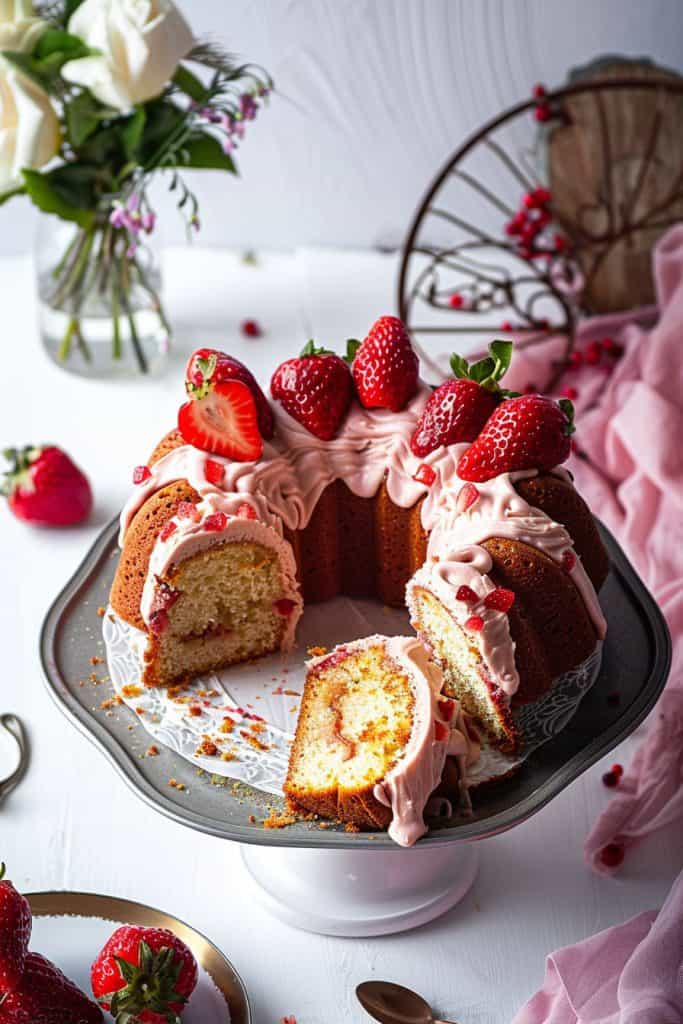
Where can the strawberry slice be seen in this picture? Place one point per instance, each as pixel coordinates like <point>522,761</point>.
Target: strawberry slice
<point>223,421</point>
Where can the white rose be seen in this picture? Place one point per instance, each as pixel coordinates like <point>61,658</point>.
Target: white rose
<point>141,43</point>
<point>19,30</point>
<point>29,128</point>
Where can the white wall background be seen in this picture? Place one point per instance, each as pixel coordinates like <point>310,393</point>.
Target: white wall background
<point>374,95</point>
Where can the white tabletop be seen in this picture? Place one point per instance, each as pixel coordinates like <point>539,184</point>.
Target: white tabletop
<point>74,824</point>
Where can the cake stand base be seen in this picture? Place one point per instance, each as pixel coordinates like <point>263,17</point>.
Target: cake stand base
<point>359,893</point>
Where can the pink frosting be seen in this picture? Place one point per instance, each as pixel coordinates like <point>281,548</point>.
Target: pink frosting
<point>285,484</point>
<point>410,783</point>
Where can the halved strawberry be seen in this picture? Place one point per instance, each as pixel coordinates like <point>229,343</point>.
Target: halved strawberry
<point>223,421</point>
<point>208,366</point>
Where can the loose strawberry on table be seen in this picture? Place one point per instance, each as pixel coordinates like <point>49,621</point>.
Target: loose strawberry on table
<point>46,996</point>
<point>316,389</point>
<point>208,366</point>
<point>458,409</point>
<point>385,367</point>
<point>15,932</point>
<point>44,486</point>
<point>144,975</point>
<point>528,432</point>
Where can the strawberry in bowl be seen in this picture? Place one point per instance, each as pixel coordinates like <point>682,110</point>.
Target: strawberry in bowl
<point>43,486</point>
<point>144,976</point>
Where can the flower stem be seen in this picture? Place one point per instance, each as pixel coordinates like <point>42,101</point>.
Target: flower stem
<point>130,315</point>
<point>68,337</point>
<point>115,310</point>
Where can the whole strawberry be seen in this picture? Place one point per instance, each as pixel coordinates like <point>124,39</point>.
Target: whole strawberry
<point>144,975</point>
<point>385,368</point>
<point>458,409</point>
<point>208,365</point>
<point>529,432</point>
<point>46,996</point>
<point>15,932</point>
<point>43,486</point>
<point>315,389</point>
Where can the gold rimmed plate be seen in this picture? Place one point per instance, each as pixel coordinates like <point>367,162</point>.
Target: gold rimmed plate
<point>71,927</point>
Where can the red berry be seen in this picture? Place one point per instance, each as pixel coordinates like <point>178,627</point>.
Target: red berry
<point>214,471</point>
<point>538,91</point>
<point>610,779</point>
<point>141,473</point>
<point>46,996</point>
<point>529,432</point>
<point>456,301</point>
<point>160,974</point>
<point>568,560</point>
<point>542,112</point>
<point>45,487</point>
<point>284,606</point>
<point>385,368</point>
<point>618,770</point>
<point>425,475</point>
<point>542,196</point>
<point>454,413</point>
<point>569,392</point>
<point>168,530</point>
<point>608,344</point>
<point>500,599</point>
<point>612,855</point>
<point>208,366</point>
<point>251,329</point>
<point>575,359</point>
<point>216,522</point>
<point>188,510</point>
<point>467,495</point>
<point>315,389</point>
<point>592,356</point>
<point>529,200</point>
<point>224,421</point>
<point>158,621</point>
<point>466,594</point>
<point>559,243</point>
<point>441,731</point>
<point>15,932</point>
<point>506,326</point>
<point>246,511</point>
<point>446,708</point>
<point>475,623</point>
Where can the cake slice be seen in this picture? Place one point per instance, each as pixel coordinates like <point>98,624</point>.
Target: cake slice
<point>373,738</point>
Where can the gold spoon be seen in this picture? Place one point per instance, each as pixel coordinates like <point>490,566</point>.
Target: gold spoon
<point>394,1004</point>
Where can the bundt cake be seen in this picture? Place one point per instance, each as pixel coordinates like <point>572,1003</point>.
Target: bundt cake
<point>373,738</point>
<point>365,488</point>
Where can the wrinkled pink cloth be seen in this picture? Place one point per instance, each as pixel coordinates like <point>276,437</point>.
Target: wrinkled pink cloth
<point>631,429</point>
<point>630,974</point>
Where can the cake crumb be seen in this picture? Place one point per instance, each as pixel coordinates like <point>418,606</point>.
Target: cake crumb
<point>139,711</point>
<point>226,726</point>
<point>111,702</point>
<point>207,747</point>
<point>152,751</point>
<point>174,784</point>
<point>95,659</point>
<point>252,819</point>
<point>131,690</point>
<point>253,741</point>
<point>291,693</point>
<point>350,827</point>
<point>195,711</point>
<point>316,652</point>
<point>279,820</point>
<point>101,611</point>
<point>229,755</point>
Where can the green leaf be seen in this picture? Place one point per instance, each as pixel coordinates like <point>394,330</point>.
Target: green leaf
<point>25,63</point>
<point>162,119</point>
<point>18,191</point>
<point>204,152</point>
<point>502,354</point>
<point>460,367</point>
<point>83,115</point>
<point>190,84</point>
<point>568,409</point>
<point>50,195</point>
<point>132,132</point>
<point>352,346</point>
<point>310,349</point>
<point>55,41</point>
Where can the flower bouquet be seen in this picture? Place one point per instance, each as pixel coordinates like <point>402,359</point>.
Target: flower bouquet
<point>96,98</point>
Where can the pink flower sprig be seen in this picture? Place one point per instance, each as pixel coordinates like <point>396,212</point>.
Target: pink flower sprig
<point>134,216</point>
<point>231,120</point>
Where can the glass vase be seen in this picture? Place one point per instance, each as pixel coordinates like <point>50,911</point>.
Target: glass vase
<point>100,311</point>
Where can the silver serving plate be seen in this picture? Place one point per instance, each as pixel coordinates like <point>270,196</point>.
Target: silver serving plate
<point>635,666</point>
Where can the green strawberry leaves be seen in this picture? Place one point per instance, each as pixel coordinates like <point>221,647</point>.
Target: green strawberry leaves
<point>311,349</point>
<point>489,371</point>
<point>568,409</point>
<point>149,985</point>
<point>352,346</point>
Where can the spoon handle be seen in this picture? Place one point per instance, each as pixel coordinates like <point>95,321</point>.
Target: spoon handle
<point>445,1022</point>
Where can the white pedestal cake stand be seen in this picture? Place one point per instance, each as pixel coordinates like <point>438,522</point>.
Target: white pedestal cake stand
<point>362,884</point>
